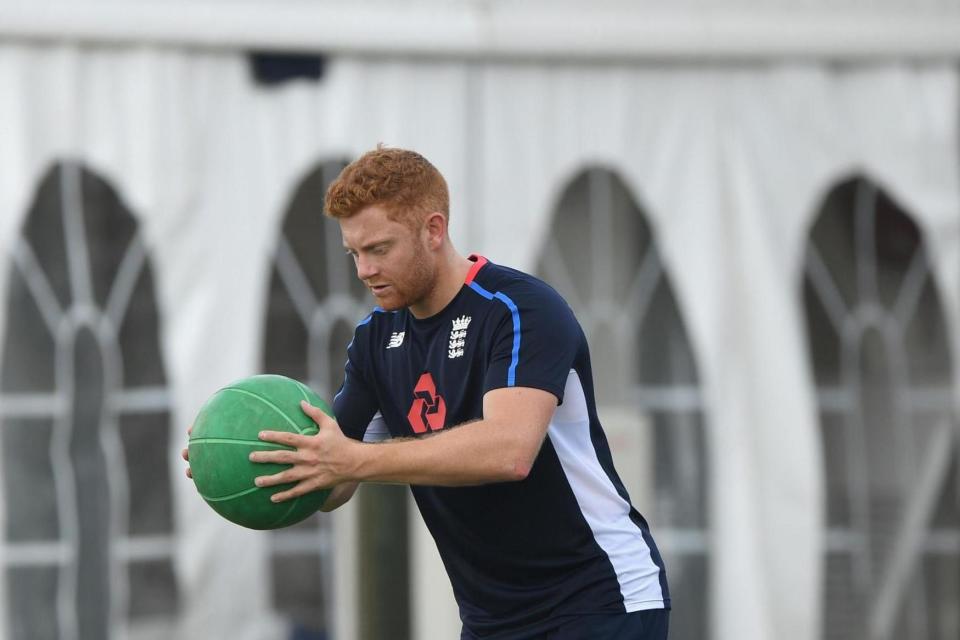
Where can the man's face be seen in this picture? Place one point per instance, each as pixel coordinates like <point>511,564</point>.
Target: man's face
<point>391,258</point>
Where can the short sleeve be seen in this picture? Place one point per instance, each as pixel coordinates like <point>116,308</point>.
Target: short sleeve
<point>355,404</point>
<point>535,343</point>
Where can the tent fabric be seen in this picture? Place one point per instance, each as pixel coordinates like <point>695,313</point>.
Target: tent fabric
<point>731,164</point>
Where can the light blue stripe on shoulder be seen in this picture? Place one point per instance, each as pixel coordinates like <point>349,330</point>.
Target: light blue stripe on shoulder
<point>515,313</point>
<point>486,294</point>
<point>515,357</point>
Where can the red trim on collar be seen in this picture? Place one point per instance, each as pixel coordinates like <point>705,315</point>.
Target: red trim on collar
<point>478,262</point>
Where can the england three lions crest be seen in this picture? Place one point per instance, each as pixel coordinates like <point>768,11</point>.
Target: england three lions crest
<point>458,337</point>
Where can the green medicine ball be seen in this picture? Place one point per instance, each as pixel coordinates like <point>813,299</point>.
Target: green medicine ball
<point>225,433</point>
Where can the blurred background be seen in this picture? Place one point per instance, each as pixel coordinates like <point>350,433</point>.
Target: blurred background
<point>752,205</point>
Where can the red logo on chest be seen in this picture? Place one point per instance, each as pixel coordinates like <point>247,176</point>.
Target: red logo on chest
<point>428,411</point>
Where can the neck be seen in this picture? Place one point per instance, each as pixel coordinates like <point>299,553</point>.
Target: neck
<point>451,272</point>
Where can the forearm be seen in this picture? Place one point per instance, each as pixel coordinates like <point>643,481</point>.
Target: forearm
<point>477,452</point>
<point>499,448</point>
<point>339,495</point>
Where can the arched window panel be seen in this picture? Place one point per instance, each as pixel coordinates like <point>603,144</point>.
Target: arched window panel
<point>667,377</point>
<point>602,257</point>
<point>315,303</point>
<point>27,382</point>
<point>837,447</point>
<point>301,577</point>
<point>31,589</point>
<point>140,327</point>
<point>880,355</point>
<point>152,513</point>
<point>28,361</point>
<point>313,285</point>
<point>318,248</point>
<point>27,462</point>
<point>110,230</point>
<point>899,254</point>
<point>287,334</point>
<point>299,283</point>
<point>611,247</point>
<point>826,314</point>
<point>834,235</point>
<point>925,337</point>
<point>85,421</point>
<point>946,515</point>
<point>45,235</point>
<point>666,355</point>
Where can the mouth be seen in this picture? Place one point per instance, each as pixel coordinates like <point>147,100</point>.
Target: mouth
<point>379,289</point>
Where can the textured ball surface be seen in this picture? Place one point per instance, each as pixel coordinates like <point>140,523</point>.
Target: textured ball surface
<point>225,433</point>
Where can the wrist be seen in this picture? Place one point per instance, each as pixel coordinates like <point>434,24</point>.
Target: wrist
<point>357,467</point>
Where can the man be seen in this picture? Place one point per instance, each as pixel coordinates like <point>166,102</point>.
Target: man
<point>471,382</point>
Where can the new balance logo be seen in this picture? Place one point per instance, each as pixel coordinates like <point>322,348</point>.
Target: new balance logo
<point>458,337</point>
<point>396,339</point>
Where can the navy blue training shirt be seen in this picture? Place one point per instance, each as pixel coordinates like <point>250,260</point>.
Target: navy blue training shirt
<point>520,555</point>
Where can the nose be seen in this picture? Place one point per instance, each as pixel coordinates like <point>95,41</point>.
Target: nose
<point>366,268</point>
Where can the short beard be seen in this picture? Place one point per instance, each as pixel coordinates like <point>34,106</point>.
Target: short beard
<point>422,280</point>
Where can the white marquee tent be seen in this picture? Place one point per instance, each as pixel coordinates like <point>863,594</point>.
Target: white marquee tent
<point>728,144</point>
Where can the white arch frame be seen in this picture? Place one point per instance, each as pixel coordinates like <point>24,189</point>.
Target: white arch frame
<point>851,323</point>
<point>319,317</point>
<point>64,324</point>
<point>679,399</point>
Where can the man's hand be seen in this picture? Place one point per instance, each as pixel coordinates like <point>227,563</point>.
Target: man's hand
<point>185,453</point>
<point>318,461</point>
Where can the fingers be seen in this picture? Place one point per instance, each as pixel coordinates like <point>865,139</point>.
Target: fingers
<point>302,488</point>
<point>315,413</point>
<point>303,471</point>
<point>278,456</point>
<point>305,483</point>
<point>185,454</point>
<point>284,477</point>
<point>283,496</point>
<point>282,437</point>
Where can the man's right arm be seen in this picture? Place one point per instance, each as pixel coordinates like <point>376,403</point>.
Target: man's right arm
<point>339,496</point>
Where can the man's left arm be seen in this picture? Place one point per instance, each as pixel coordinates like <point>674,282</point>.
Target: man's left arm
<point>501,447</point>
<point>533,349</point>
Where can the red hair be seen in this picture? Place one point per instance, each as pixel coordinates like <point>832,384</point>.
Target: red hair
<point>402,181</point>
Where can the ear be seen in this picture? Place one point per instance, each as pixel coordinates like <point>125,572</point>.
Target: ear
<point>435,227</point>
